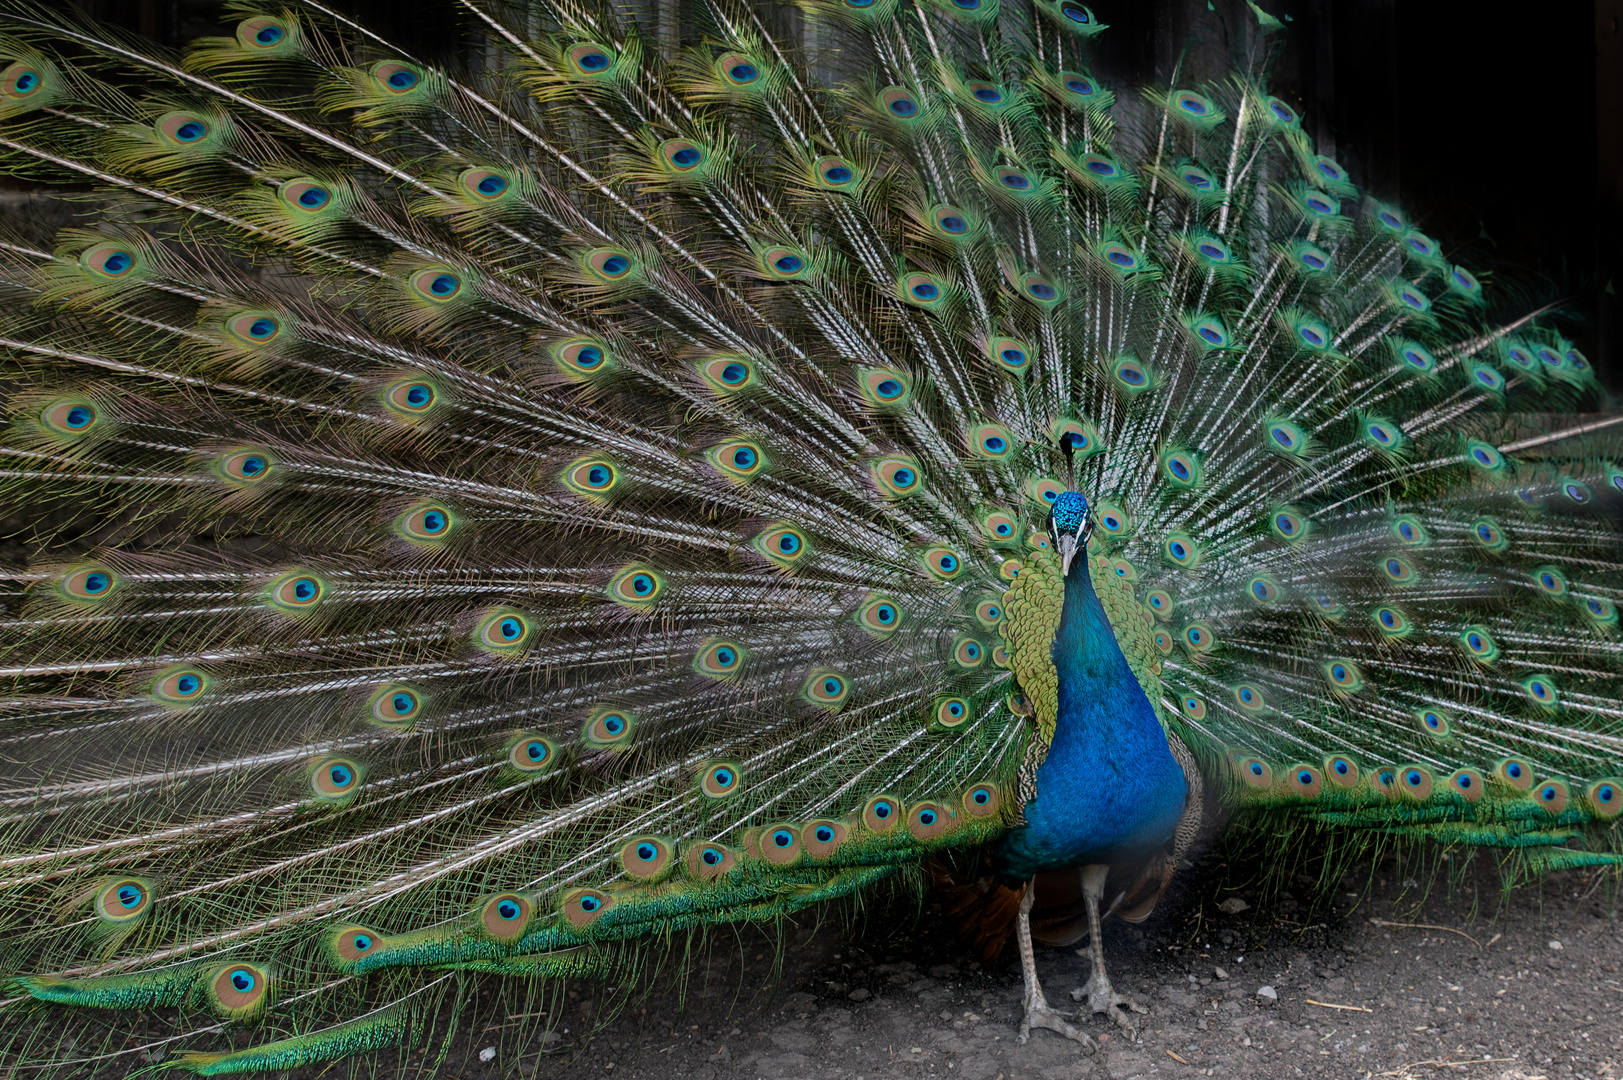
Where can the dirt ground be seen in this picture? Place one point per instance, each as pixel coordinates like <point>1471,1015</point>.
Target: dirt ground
<point>1385,983</point>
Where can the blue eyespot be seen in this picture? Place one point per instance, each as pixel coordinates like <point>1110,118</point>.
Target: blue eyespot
<point>590,903</point>
<point>885,614</point>
<point>117,263</point>
<point>616,265</point>
<point>403,79</point>
<point>614,724</point>
<point>926,291</point>
<point>744,73</point>
<point>711,856</point>
<point>904,107</point>
<point>593,62</point>
<point>927,817</point>
<point>1256,768</point>
<point>789,264</point>
<point>953,224</point>
<point>1042,290</point>
<point>647,852</point>
<point>824,834</point>
<point>722,777</point>
<point>783,838</point>
<point>492,185</point>
<point>726,657</point>
<point>130,896</point>
<point>269,35</point>
<point>882,810</point>
<point>360,942</point>
<point>241,979</point>
<point>687,157</point>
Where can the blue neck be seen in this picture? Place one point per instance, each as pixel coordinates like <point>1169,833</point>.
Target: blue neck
<point>1110,789</point>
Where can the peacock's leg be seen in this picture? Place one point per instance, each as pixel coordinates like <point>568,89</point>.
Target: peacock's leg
<point>1038,1012</point>
<point>1097,991</point>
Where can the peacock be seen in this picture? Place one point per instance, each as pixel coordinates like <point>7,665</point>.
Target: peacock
<point>472,527</point>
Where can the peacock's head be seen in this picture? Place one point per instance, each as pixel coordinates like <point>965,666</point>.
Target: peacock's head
<point>1071,525</point>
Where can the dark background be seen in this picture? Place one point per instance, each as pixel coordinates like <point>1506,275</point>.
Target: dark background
<point>1498,126</point>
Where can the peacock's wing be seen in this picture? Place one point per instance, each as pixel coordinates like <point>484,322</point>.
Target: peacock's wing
<point>478,517</point>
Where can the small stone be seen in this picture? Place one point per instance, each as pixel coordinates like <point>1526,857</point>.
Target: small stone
<point>1078,994</point>
<point>1556,945</point>
<point>488,1054</point>
<point>1233,906</point>
<point>916,1050</point>
<point>735,1031</point>
<point>1267,995</point>
<point>859,994</point>
<point>1220,973</point>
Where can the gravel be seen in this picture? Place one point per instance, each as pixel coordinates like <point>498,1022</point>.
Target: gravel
<point>1334,995</point>
<point>1379,983</point>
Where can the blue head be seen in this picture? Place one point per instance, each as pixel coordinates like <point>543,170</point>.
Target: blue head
<point>1071,525</point>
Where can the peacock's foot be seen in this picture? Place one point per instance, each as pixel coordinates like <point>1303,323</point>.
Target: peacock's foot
<point>1039,1014</point>
<point>1102,998</point>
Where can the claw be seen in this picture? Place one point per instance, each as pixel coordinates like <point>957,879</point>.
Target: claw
<point>1039,1014</point>
<point>1102,998</point>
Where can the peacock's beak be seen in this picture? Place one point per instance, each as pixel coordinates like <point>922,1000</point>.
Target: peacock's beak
<point>1072,543</point>
<point>1067,552</point>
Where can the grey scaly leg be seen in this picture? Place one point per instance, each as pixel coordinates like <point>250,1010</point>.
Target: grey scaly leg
<point>1099,994</point>
<point>1038,1012</point>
